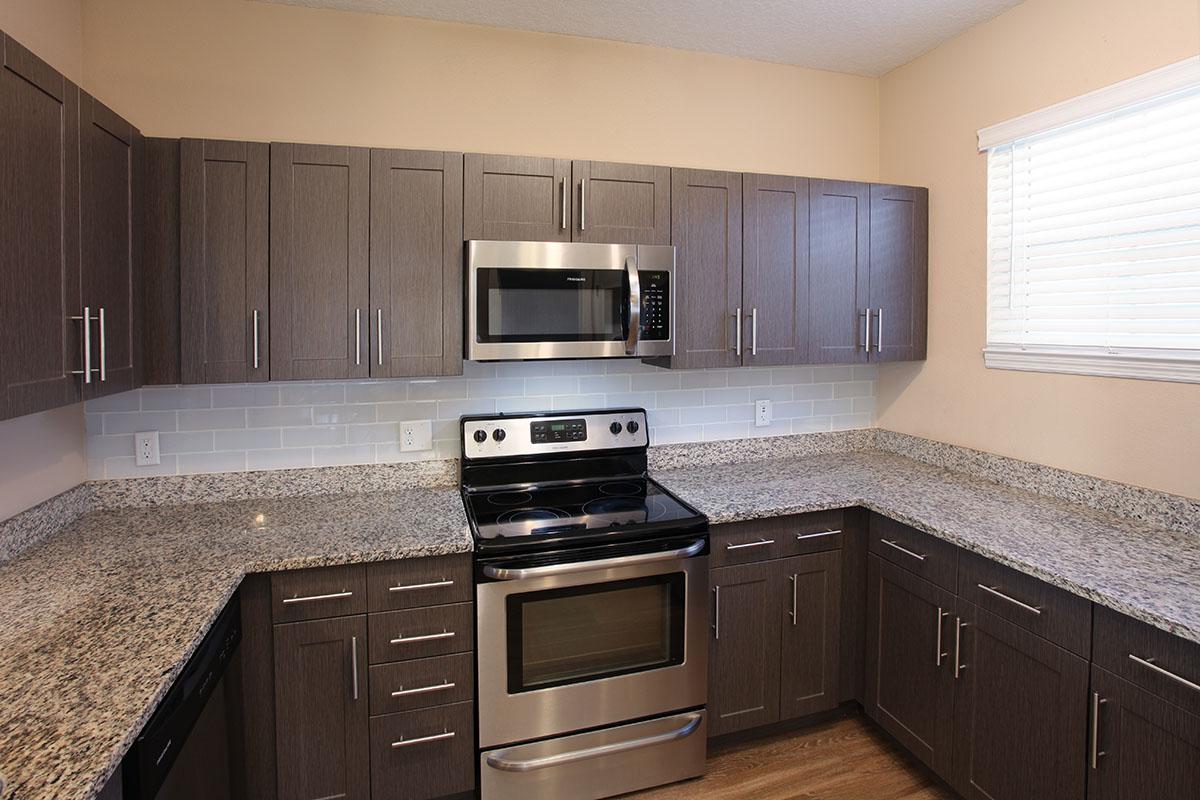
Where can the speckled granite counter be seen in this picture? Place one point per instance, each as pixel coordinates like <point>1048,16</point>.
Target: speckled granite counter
<point>1147,572</point>
<point>98,620</point>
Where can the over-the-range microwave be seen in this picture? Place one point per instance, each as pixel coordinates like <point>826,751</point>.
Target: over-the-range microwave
<point>543,300</point>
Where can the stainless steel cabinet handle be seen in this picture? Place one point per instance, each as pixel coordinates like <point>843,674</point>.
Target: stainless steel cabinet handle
<point>437,737</point>
<point>904,550</point>
<point>354,662</point>
<point>939,655</point>
<point>562,185</point>
<point>426,637</point>
<point>995,592</point>
<point>103,349</point>
<point>315,597</point>
<point>879,330</point>
<point>753,331</point>
<point>414,586</point>
<point>635,306</point>
<point>1094,751</point>
<point>86,372</point>
<point>437,687</point>
<point>500,760</point>
<point>795,579</point>
<point>255,337</point>
<point>583,204</point>
<point>357,336</point>
<point>866,343</point>
<point>958,665</point>
<point>759,543</point>
<point>501,572</point>
<point>716,626</point>
<point>802,536</point>
<point>737,347</point>
<point>379,333</point>
<point>1148,663</point>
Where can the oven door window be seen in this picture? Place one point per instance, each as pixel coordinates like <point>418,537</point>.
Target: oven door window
<point>551,305</point>
<point>581,633</point>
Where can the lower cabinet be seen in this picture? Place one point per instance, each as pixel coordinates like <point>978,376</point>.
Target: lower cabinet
<point>423,754</point>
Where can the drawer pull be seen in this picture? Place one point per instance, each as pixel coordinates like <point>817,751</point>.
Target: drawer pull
<point>759,543</point>
<point>1094,751</point>
<point>904,550</point>
<point>315,597</point>
<point>428,637</point>
<point>437,737</point>
<point>997,593</point>
<point>414,586</point>
<point>802,536</point>
<point>1148,662</point>
<point>439,687</point>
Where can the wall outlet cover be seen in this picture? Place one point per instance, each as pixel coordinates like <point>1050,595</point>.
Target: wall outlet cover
<point>762,413</point>
<point>145,449</point>
<point>416,435</point>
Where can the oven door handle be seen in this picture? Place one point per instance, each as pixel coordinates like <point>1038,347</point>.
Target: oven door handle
<point>502,573</point>
<point>635,306</point>
<point>498,761</point>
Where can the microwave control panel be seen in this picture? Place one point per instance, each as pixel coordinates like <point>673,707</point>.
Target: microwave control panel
<point>656,305</point>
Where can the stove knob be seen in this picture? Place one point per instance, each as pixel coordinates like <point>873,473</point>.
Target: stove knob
<point>631,426</point>
<point>480,436</point>
<point>498,434</point>
<point>615,428</point>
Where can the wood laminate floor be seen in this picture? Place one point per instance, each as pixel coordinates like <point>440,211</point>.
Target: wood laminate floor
<point>844,759</point>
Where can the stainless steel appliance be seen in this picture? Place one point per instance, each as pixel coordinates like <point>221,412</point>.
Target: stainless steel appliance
<point>543,300</point>
<point>592,608</point>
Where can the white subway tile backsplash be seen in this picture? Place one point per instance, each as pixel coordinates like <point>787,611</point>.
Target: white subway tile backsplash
<point>325,423</point>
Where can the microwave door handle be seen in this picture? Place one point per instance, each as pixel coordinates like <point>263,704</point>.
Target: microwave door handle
<point>635,305</point>
<point>502,573</point>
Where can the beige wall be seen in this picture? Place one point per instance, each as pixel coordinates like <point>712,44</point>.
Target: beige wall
<point>51,28</point>
<point>233,68</point>
<point>1041,52</point>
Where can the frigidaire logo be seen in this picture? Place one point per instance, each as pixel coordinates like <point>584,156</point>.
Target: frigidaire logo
<point>577,280</point>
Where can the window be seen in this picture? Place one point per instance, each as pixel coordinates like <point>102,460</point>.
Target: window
<point>1093,235</point>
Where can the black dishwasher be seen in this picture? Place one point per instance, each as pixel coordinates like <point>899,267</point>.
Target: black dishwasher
<point>183,751</point>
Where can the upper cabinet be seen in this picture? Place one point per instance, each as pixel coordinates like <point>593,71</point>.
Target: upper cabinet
<point>899,264</point>
<point>39,235</point>
<point>320,232</point>
<point>224,191</point>
<point>839,279</point>
<point>621,203</point>
<point>416,263</point>
<point>775,288</point>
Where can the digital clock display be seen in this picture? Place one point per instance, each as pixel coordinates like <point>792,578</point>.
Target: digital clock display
<point>564,430</point>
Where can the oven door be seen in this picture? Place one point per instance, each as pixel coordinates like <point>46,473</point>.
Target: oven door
<point>574,645</point>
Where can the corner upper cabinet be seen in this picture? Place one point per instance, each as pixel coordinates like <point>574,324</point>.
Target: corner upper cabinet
<point>110,156</point>
<point>416,263</point>
<point>516,198</point>
<point>224,251</point>
<point>319,262</point>
<point>839,272</point>
<point>899,256</point>
<point>39,235</point>
<point>621,203</point>
<point>775,291</point>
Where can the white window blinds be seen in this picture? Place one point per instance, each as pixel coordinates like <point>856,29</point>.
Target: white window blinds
<point>1094,235</point>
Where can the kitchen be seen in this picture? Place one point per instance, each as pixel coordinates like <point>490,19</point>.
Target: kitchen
<point>424,400</point>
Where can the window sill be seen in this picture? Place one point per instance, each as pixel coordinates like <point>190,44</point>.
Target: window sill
<point>1154,365</point>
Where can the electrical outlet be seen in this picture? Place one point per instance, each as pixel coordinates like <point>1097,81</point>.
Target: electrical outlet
<point>145,449</point>
<point>416,435</point>
<point>762,413</point>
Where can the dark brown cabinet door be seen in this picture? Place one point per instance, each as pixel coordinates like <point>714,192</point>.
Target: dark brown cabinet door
<point>621,203</point>
<point>160,259</point>
<point>811,621</point>
<point>1020,713</point>
<point>839,241</point>
<point>110,263</point>
<point>416,263</point>
<point>321,724</point>
<point>224,249</point>
<point>743,658</point>
<point>910,670</point>
<point>1139,745</point>
<point>899,263</point>
<point>775,269</point>
<point>39,235</point>
<point>517,198</point>
<point>706,228</point>
<point>319,262</point>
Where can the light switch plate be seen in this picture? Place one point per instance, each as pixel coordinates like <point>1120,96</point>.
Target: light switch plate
<point>145,449</point>
<point>416,435</point>
<point>762,413</point>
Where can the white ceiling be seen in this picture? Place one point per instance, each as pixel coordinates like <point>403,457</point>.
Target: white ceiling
<point>863,37</point>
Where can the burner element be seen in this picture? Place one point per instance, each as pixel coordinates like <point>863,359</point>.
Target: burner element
<point>509,498</point>
<point>530,515</point>
<point>621,489</point>
<point>614,505</point>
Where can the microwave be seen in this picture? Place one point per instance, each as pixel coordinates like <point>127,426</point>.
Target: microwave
<point>544,300</point>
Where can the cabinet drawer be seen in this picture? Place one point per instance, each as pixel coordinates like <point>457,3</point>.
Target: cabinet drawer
<point>813,533</point>
<point>420,632</point>
<point>418,755</point>
<point>421,683</point>
<point>747,542</point>
<point>319,592</point>
<point>1035,605</point>
<point>1147,657</point>
<point>931,558</point>
<point>418,582</point>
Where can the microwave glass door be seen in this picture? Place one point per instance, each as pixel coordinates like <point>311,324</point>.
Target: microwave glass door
<point>552,305</point>
<point>597,630</point>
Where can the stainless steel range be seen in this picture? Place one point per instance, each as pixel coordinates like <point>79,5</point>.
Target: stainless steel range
<point>592,608</point>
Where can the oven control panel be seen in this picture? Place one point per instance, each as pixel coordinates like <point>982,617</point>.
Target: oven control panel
<point>656,305</point>
<point>501,435</point>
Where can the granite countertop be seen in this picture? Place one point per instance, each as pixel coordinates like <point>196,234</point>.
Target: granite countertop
<point>99,619</point>
<point>1147,572</point>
